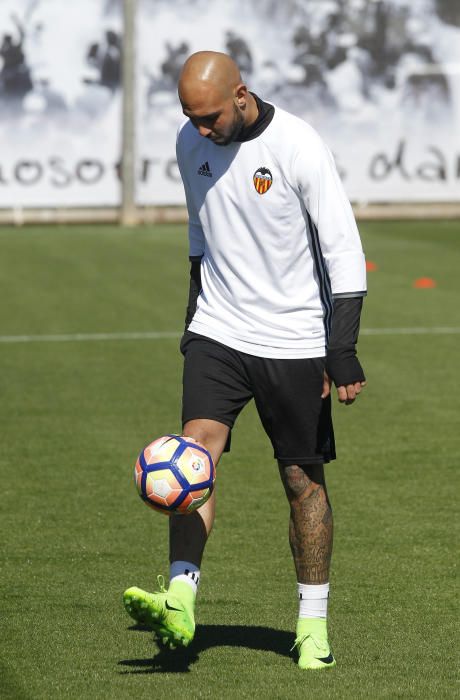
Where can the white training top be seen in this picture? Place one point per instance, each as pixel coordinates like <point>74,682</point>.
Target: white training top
<point>277,234</point>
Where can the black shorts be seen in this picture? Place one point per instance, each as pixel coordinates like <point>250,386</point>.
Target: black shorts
<point>219,381</point>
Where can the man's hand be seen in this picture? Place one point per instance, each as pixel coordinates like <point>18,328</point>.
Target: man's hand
<point>346,394</point>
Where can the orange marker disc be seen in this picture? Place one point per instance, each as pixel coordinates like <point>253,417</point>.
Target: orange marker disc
<point>424,283</point>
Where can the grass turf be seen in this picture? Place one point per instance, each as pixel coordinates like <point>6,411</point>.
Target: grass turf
<point>74,415</point>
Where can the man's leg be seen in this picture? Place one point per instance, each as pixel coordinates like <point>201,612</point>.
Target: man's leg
<point>188,534</point>
<point>310,537</point>
<point>170,613</point>
<point>310,523</point>
<point>213,385</point>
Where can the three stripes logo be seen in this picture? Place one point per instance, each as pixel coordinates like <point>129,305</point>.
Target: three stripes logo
<point>262,179</point>
<point>205,170</point>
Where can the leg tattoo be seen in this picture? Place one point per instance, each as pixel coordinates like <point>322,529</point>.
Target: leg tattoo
<point>310,524</point>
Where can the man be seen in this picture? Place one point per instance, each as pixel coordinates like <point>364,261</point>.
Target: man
<point>105,56</point>
<point>277,281</point>
<point>15,79</point>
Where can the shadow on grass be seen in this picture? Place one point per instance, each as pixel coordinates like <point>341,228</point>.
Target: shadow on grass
<point>207,636</point>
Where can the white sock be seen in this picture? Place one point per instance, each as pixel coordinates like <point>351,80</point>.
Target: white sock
<point>313,599</point>
<point>185,571</point>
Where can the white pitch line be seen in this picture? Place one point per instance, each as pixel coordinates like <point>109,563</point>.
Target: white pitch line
<point>85,337</point>
<point>160,335</point>
<point>435,330</point>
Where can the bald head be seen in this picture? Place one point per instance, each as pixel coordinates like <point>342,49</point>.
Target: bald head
<point>214,97</point>
<point>209,70</point>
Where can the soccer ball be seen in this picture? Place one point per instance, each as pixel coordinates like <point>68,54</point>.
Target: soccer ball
<point>174,474</point>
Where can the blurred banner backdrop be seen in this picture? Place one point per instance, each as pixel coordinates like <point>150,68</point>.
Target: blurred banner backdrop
<point>379,79</point>
<point>60,102</point>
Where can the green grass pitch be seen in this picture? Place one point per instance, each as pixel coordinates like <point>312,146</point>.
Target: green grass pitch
<point>74,415</point>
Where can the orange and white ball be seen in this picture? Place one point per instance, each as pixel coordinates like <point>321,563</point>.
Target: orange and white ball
<point>175,474</point>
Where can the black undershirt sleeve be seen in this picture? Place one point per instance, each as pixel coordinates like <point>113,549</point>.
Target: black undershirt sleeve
<point>194,289</point>
<point>342,364</point>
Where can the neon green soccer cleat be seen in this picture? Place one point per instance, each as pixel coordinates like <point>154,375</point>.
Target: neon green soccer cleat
<point>168,613</point>
<point>312,645</point>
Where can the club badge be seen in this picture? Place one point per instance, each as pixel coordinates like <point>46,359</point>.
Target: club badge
<point>262,180</point>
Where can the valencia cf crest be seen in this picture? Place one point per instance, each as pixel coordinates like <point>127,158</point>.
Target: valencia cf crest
<point>262,180</point>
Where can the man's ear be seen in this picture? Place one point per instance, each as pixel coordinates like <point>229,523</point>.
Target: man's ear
<point>241,93</point>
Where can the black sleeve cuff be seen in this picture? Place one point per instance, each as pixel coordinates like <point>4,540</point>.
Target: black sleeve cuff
<point>342,364</point>
<point>194,290</point>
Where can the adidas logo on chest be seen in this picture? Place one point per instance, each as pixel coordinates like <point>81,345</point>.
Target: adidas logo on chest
<point>205,170</point>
